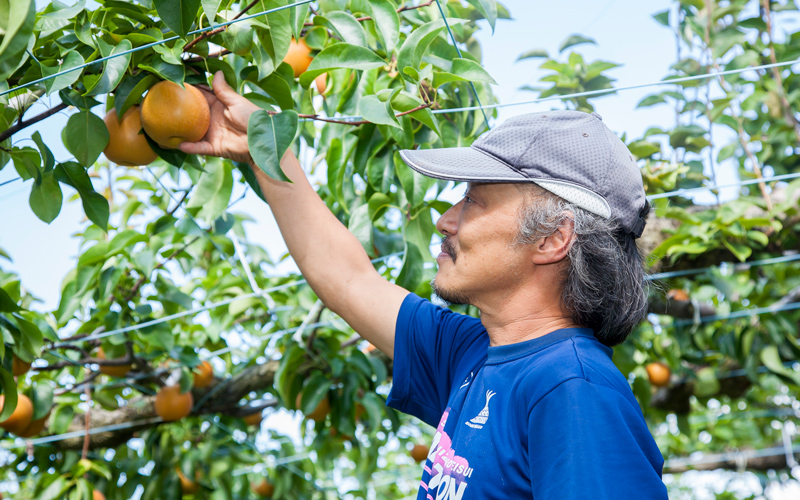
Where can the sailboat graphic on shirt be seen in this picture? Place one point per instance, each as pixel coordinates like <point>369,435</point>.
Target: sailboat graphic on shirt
<point>483,416</point>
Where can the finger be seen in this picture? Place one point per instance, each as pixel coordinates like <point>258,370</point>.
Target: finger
<point>223,91</point>
<point>196,148</point>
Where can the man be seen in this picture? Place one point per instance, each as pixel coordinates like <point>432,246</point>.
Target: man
<point>526,400</point>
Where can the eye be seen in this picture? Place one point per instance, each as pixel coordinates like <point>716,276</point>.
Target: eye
<point>468,199</point>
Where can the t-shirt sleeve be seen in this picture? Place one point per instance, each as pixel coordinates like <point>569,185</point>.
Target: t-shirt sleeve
<point>586,441</point>
<point>430,342</point>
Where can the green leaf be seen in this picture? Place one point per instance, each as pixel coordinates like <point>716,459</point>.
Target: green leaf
<point>643,148</point>
<point>171,55</point>
<point>210,8</point>
<point>533,53</point>
<point>85,136</point>
<point>17,28</point>
<point>178,15</point>
<point>238,38</point>
<point>172,72</point>
<point>315,389</point>
<point>651,100</point>
<point>361,227</point>
<point>740,250</point>
<point>297,16</point>
<point>55,490</point>
<point>417,43</point>
<point>376,111</point>
<point>42,398</point>
<point>44,152</point>
<point>113,71</point>
<point>340,55</point>
<point>7,305</point>
<point>463,70</point>
<point>487,8</point>
<point>130,91</point>
<point>380,170</point>
<point>94,204</point>
<point>9,388</point>
<point>345,25</point>
<point>375,408</point>
<point>573,40</point>
<point>411,273</point>
<point>403,101</point>
<point>268,137</point>
<point>662,17</point>
<point>414,184</point>
<point>287,372</point>
<point>387,23</point>
<point>213,192</point>
<point>73,59</point>
<point>46,197</point>
<point>772,360</point>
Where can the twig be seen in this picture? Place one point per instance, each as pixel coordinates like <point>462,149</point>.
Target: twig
<point>180,202</point>
<point>218,30</point>
<point>30,121</point>
<point>87,422</point>
<point>85,380</point>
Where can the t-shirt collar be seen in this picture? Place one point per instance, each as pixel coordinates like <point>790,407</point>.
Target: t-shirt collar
<point>503,353</point>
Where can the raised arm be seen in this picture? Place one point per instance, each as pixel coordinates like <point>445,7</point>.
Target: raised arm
<point>329,256</point>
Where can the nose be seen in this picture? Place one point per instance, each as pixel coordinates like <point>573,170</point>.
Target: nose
<point>447,224</point>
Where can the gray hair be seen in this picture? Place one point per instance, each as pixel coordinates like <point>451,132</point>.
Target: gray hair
<point>603,281</point>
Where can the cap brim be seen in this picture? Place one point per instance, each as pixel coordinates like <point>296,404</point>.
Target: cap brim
<point>460,164</point>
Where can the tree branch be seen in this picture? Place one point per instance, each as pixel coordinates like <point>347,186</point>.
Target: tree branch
<point>30,121</point>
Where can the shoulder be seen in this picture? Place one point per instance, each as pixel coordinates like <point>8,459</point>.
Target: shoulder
<point>570,365</point>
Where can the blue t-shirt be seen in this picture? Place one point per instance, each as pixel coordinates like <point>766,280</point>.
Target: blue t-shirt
<point>550,418</point>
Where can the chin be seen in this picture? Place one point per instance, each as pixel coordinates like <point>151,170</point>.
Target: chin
<point>450,295</point>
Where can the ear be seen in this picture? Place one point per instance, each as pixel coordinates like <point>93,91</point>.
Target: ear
<point>554,248</point>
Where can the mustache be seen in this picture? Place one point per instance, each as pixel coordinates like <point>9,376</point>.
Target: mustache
<point>447,247</point>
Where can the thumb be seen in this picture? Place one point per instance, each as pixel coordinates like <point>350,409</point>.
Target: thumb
<point>223,91</point>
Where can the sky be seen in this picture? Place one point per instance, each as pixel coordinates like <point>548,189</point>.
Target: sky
<point>625,33</point>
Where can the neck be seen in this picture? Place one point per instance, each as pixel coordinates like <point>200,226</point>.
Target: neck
<point>513,321</point>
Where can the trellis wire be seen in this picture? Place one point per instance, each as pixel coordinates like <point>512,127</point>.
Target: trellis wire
<point>153,44</point>
<point>458,51</point>
<point>679,192</point>
<point>742,266</point>
<point>738,314</point>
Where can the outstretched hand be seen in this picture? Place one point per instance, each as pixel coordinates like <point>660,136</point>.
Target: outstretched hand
<point>227,133</point>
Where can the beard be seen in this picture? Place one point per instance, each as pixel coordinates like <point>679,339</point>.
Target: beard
<point>450,296</point>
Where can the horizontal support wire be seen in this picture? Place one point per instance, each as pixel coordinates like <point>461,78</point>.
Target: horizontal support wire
<point>756,311</point>
<point>153,44</point>
<point>741,266</point>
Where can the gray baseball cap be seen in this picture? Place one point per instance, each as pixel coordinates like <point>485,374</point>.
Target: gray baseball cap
<point>572,154</point>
